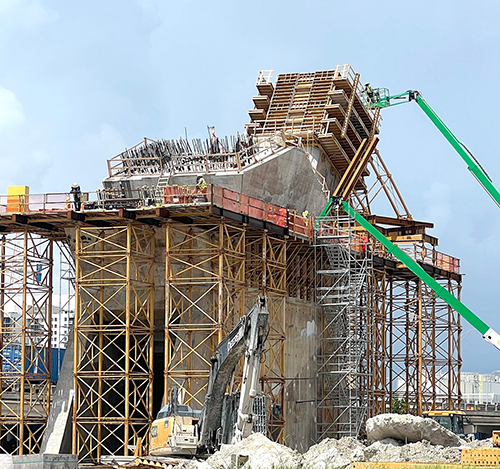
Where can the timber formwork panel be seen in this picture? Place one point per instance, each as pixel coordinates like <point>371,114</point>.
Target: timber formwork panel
<point>114,338</point>
<point>26,262</point>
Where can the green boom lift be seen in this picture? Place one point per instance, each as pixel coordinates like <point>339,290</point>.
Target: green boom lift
<point>380,98</point>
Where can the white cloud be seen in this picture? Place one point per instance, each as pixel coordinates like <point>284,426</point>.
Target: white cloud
<point>6,5</point>
<point>11,110</point>
<point>26,13</point>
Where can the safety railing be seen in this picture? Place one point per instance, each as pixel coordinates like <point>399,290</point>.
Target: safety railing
<point>236,202</point>
<point>346,72</point>
<point>422,253</point>
<point>358,240</point>
<point>105,199</point>
<point>128,163</point>
<point>124,164</point>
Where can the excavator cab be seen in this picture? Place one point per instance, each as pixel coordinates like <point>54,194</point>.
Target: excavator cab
<point>452,420</point>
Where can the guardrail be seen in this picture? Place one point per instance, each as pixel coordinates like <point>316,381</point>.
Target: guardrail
<point>240,203</point>
<point>419,252</point>
<point>358,240</point>
<point>297,225</point>
<point>105,199</point>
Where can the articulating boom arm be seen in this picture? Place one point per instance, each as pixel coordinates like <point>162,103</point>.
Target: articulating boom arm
<point>487,332</point>
<point>247,338</point>
<point>380,98</point>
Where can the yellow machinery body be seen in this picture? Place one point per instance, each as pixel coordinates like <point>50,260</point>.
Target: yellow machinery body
<point>174,435</point>
<point>452,420</point>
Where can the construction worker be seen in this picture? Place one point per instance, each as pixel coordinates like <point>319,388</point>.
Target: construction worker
<point>364,243</point>
<point>369,92</point>
<point>201,184</point>
<point>77,196</point>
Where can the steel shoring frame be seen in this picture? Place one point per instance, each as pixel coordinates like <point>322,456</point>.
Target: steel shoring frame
<point>343,307</point>
<point>267,275</point>
<point>26,263</point>
<point>378,345</point>
<point>114,338</point>
<point>423,349</point>
<point>205,297</point>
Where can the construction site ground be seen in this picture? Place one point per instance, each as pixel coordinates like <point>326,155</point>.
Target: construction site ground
<point>258,452</point>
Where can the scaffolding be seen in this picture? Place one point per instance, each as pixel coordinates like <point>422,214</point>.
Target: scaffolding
<point>26,262</point>
<point>342,298</point>
<point>114,338</point>
<point>416,340</point>
<point>214,270</point>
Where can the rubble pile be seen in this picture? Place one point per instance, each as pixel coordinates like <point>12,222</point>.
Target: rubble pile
<point>409,429</point>
<point>391,450</point>
<point>413,439</point>
<point>333,453</point>
<point>262,454</point>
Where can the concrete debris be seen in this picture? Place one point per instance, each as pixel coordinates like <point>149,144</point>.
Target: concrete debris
<point>390,450</point>
<point>262,453</point>
<point>257,452</point>
<point>409,429</point>
<point>333,453</point>
<point>488,443</point>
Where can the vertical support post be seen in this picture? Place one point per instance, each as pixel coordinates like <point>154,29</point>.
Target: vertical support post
<point>26,290</point>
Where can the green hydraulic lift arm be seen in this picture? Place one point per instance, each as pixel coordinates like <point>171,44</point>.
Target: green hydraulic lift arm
<point>472,164</point>
<point>382,99</point>
<point>487,332</point>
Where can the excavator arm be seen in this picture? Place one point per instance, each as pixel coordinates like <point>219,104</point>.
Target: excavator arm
<point>246,339</point>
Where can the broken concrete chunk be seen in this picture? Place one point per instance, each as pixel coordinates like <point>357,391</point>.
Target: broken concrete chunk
<point>409,429</point>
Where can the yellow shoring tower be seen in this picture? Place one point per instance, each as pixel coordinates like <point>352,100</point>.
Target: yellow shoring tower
<point>114,338</point>
<point>26,261</point>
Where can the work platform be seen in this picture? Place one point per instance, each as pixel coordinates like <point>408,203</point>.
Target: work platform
<point>50,214</point>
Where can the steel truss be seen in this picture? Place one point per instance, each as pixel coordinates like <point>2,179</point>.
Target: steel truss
<point>26,262</point>
<point>114,338</point>
<point>343,306</point>
<point>214,271</point>
<point>416,346</point>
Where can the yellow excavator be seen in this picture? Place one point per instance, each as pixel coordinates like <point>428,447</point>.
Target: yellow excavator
<point>452,420</point>
<point>224,418</point>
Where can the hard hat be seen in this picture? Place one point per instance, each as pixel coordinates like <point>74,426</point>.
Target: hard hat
<point>367,83</point>
<point>75,185</point>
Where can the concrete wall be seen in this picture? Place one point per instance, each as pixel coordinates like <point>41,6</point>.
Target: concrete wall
<point>46,461</point>
<point>300,390</point>
<point>288,178</point>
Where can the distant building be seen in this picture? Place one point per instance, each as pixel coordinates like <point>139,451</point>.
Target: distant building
<point>480,388</point>
<point>62,322</point>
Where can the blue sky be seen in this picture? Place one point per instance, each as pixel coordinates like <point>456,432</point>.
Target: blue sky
<point>80,81</point>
